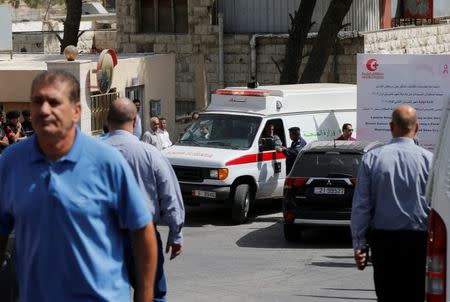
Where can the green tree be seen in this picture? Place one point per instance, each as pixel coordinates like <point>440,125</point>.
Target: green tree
<point>300,26</point>
<point>322,46</point>
<point>71,24</point>
<point>325,41</point>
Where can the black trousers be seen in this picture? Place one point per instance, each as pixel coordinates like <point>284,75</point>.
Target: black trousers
<point>398,259</point>
<point>9,288</point>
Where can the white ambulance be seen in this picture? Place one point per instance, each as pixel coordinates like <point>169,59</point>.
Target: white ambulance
<point>221,157</point>
<point>438,193</point>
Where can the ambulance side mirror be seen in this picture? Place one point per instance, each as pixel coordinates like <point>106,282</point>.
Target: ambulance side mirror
<point>267,144</point>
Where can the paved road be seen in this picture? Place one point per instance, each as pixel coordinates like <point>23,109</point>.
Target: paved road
<point>252,262</point>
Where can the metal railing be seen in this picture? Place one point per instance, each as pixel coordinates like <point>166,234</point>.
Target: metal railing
<point>99,110</point>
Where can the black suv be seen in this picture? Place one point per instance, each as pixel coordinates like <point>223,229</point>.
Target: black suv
<point>319,189</point>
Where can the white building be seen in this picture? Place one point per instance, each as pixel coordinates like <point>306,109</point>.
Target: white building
<point>149,77</point>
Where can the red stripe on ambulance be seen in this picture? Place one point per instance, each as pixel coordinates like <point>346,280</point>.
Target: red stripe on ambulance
<point>253,158</point>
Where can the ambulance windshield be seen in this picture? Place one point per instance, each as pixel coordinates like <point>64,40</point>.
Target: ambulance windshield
<point>221,131</point>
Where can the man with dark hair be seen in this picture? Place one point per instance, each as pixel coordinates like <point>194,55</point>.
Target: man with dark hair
<point>269,140</point>
<point>3,138</point>
<point>69,210</point>
<point>195,115</point>
<point>27,128</point>
<point>347,131</point>
<point>297,144</point>
<point>59,76</point>
<point>137,131</point>
<point>165,138</point>
<point>13,128</point>
<point>156,179</point>
<point>390,201</point>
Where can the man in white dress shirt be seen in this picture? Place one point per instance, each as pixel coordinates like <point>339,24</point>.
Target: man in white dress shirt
<point>165,138</point>
<point>137,131</point>
<point>153,134</point>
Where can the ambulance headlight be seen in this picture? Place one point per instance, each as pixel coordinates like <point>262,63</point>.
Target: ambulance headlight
<point>220,174</point>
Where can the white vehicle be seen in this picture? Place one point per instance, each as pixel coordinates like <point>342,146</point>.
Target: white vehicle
<point>221,156</point>
<point>438,193</point>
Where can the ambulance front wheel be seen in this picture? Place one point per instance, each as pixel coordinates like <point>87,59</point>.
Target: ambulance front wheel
<point>241,204</point>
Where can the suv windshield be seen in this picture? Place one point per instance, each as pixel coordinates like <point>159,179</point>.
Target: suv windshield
<point>221,131</point>
<point>330,164</point>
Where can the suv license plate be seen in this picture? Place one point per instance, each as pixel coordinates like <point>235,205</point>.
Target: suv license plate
<point>325,190</point>
<point>205,194</point>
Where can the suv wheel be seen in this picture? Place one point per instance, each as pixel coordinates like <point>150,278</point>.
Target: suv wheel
<point>241,204</point>
<point>292,232</point>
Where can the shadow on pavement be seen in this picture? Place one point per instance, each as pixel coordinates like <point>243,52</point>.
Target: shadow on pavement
<point>357,291</point>
<point>350,289</point>
<point>333,264</point>
<point>272,237</point>
<point>340,257</point>
<point>210,215</point>
<point>336,298</point>
<point>337,264</point>
<point>221,216</point>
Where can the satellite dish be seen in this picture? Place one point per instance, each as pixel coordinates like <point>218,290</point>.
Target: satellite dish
<point>105,68</point>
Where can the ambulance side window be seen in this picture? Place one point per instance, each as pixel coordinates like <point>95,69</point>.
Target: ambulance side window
<point>265,142</point>
<point>279,130</point>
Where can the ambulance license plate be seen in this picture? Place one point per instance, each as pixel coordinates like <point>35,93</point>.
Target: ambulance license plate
<point>205,194</point>
<point>331,191</point>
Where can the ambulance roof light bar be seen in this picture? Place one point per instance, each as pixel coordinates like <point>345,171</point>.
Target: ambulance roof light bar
<point>243,92</point>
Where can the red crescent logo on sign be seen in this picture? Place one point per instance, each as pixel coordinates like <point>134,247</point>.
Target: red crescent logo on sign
<point>372,65</point>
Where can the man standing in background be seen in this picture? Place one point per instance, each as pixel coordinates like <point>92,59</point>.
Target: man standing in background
<point>165,138</point>
<point>137,131</point>
<point>195,115</point>
<point>347,131</point>
<point>153,135</point>
<point>3,138</point>
<point>27,128</point>
<point>297,144</point>
<point>13,127</point>
<point>156,179</point>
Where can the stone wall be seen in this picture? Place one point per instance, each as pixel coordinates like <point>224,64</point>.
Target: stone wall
<point>429,39</point>
<point>104,39</point>
<point>200,49</point>
<point>197,53</point>
<point>270,51</point>
<point>29,42</point>
<point>237,63</point>
<point>25,13</point>
<point>47,42</point>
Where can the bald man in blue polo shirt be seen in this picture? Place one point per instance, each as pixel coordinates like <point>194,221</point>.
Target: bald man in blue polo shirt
<point>70,199</point>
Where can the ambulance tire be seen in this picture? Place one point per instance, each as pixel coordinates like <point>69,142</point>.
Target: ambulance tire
<point>292,232</point>
<point>241,204</point>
